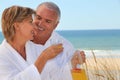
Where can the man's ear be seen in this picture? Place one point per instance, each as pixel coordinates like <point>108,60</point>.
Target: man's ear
<point>56,24</point>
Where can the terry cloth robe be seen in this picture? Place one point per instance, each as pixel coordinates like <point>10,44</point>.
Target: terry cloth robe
<point>14,67</point>
<point>57,68</point>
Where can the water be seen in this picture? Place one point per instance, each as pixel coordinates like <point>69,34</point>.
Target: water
<point>101,41</point>
<point>1,37</point>
<point>93,39</point>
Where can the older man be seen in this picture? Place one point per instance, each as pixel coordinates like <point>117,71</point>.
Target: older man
<point>46,19</point>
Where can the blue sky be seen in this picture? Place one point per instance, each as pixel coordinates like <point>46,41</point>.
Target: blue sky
<point>79,14</point>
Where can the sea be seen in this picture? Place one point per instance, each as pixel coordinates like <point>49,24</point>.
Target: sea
<point>102,42</point>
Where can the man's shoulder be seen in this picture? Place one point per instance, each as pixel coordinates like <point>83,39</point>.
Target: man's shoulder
<point>57,36</point>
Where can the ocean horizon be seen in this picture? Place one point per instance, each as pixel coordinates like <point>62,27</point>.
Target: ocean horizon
<point>101,41</point>
<point>93,39</point>
<point>90,39</point>
<point>104,43</point>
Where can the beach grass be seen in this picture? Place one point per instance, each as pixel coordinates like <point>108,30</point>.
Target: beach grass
<point>102,68</point>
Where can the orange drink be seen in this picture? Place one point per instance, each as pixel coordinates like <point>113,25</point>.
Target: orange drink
<point>78,74</point>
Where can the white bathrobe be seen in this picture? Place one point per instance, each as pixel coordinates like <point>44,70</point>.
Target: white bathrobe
<point>14,67</point>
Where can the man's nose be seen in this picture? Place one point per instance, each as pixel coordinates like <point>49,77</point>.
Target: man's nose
<point>41,22</point>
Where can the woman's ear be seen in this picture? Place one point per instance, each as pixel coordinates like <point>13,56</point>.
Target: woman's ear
<point>16,26</point>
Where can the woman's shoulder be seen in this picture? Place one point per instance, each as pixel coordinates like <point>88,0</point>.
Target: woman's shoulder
<point>3,49</point>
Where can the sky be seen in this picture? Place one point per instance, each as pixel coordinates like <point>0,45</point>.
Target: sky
<point>78,14</point>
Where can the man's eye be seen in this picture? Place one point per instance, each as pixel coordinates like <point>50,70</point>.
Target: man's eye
<point>48,21</point>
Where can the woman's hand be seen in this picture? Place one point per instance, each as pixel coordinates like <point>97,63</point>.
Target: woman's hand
<point>53,51</point>
<point>48,54</point>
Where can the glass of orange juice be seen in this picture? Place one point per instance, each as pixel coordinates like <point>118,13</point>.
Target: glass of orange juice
<point>79,72</point>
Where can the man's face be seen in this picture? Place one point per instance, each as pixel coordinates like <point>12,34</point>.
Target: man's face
<point>46,21</point>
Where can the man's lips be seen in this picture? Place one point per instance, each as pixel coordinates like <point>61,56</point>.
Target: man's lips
<point>41,29</point>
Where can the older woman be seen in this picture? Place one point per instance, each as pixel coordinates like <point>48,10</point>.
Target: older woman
<point>17,62</point>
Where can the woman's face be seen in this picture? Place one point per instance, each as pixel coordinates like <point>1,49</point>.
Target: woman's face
<point>26,29</point>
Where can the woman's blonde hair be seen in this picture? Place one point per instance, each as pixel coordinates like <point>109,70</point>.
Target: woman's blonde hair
<point>10,16</point>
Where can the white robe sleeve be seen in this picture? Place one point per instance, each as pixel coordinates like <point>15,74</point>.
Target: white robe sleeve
<point>13,68</point>
<point>30,73</point>
<point>7,72</point>
<point>68,51</point>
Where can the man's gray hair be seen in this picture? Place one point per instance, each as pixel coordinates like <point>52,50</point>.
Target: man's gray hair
<point>52,6</point>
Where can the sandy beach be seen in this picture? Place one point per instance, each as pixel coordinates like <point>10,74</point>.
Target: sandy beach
<point>109,63</point>
<point>101,65</point>
<point>102,68</point>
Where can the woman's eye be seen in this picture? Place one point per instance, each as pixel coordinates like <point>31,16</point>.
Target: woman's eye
<point>30,21</point>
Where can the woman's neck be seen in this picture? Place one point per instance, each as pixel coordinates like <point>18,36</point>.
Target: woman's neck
<point>19,47</point>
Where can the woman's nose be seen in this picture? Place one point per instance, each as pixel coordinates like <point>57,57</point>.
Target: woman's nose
<point>35,31</point>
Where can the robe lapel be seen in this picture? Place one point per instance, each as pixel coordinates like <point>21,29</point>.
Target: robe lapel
<point>15,58</point>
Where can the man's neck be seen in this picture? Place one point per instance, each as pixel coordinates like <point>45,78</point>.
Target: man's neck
<point>41,40</point>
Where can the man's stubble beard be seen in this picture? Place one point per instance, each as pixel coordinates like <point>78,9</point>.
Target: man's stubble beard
<point>41,38</point>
